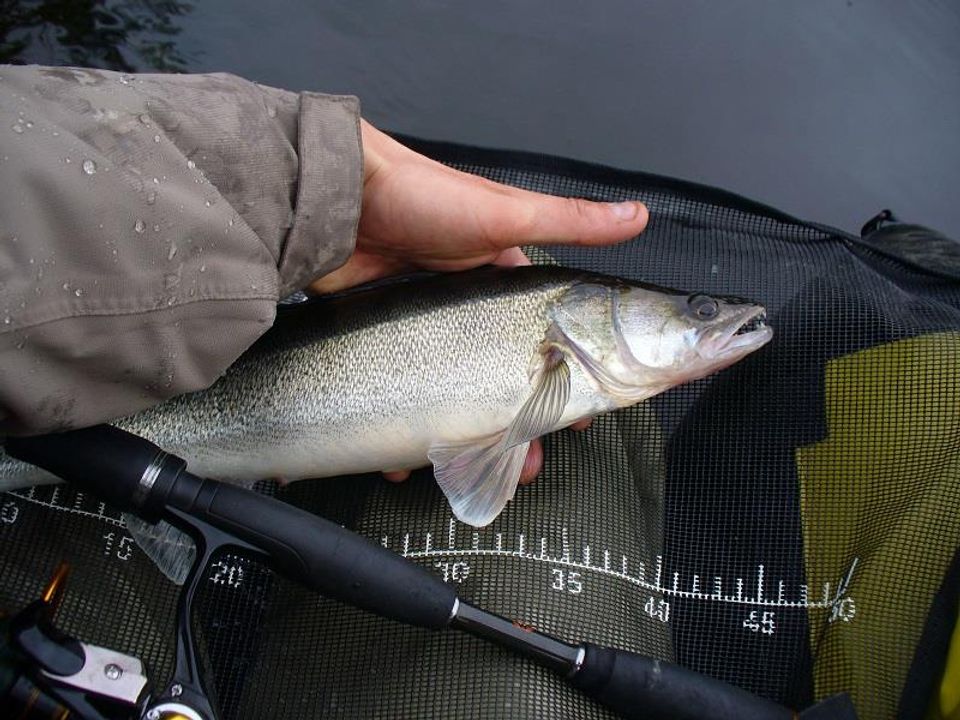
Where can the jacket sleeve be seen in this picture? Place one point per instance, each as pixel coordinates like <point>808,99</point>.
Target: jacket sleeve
<point>148,226</point>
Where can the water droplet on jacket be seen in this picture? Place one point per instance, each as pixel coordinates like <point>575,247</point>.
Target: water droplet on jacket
<point>156,228</point>
<point>139,226</point>
<point>125,79</point>
<point>31,261</point>
<point>21,344</point>
<point>89,167</point>
<point>151,198</point>
<point>191,164</point>
<point>156,181</point>
<point>714,269</point>
<point>144,118</point>
<point>171,301</point>
<point>271,111</point>
<point>173,251</point>
<point>156,138</point>
<point>208,203</point>
<point>203,268</point>
<point>66,286</point>
<point>67,161</point>
<point>29,123</point>
<point>7,320</point>
<point>17,128</point>
<point>230,222</point>
<point>56,134</point>
<point>78,292</point>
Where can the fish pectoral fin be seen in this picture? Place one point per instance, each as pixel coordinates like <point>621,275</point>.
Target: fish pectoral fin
<point>479,477</point>
<point>544,408</point>
<point>171,549</point>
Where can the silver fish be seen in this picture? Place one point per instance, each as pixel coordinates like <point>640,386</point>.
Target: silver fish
<point>459,370</point>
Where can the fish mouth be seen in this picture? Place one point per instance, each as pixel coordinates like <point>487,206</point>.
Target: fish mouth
<point>746,335</point>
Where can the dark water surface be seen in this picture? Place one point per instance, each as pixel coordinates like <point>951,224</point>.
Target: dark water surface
<point>828,109</point>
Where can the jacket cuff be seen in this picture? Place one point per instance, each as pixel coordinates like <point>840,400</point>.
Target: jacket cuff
<point>329,190</point>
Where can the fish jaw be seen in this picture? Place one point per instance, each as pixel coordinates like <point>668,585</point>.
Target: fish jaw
<point>748,333</point>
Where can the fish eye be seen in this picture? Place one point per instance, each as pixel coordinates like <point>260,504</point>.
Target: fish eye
<point>704,306</point>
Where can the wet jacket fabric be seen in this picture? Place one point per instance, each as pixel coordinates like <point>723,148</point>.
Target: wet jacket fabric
<point>148,226</point>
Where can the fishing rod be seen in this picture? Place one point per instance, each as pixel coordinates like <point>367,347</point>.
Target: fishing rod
<point>136,476</point>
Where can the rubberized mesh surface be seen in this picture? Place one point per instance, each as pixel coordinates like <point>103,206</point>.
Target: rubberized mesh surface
<point>790,525</point>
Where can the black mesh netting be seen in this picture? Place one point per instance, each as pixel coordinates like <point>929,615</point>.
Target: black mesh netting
<point>789,525</point>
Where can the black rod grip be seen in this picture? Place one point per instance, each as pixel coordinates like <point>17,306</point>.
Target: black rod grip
<point>638,687</point>
<point>127,471</point>
<point>325,557</point>
<point>133,474</point>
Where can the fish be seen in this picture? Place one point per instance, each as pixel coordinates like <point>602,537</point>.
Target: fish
<point>458,370</point>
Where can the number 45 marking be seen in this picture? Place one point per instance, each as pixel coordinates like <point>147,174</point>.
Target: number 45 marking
<point>760,622</point>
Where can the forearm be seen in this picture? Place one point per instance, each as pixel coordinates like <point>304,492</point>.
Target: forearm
<point>149,224</point>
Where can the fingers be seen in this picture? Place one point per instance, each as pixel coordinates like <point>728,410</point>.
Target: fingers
<point>533,463</point>
<point>512,257</point>
<point>575,221</point>
<point>396,475</point>
<point>531,466</point>
<point>521,217</point>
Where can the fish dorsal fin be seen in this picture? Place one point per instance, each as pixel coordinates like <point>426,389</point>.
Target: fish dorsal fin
<point>479,476</point>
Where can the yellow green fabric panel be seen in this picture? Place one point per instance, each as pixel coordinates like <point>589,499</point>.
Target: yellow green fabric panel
<point>881,494</point>
<point>946,705</point>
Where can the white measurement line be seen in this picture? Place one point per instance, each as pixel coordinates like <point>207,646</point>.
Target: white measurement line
<point>737,599</point>
<point>30,497</point>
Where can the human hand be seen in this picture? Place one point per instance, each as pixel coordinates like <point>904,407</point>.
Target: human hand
<point>418,214</point>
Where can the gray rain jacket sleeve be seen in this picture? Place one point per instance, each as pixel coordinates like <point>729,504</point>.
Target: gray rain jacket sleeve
<point>148,226</point>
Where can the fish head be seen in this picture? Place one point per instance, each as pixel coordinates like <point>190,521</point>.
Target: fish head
<point>637,341</point>
<point>688,336</point>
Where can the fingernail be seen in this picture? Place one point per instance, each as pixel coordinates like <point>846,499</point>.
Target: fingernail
<point>625,210</point>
